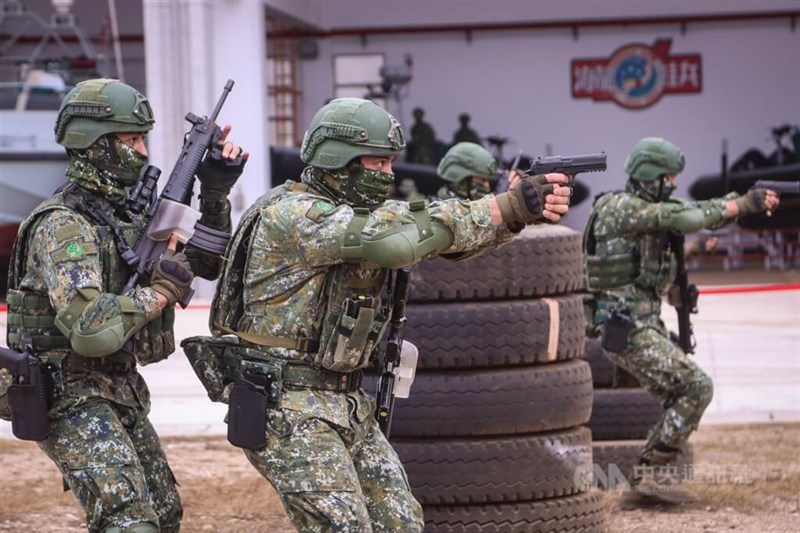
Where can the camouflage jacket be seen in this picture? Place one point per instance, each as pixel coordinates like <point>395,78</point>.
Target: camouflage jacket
<point>60,250</point>
<point>627,257</point>
<point>288,277</point>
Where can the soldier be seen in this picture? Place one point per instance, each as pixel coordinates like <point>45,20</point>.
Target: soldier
<point>465,134</point>
<point>302,291</point>
<point>629,267</point>
<point>422,148</point>
<point>470,172</point>
<point>64,300</point>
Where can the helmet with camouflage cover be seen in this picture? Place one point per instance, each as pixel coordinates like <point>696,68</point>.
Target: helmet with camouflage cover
<point>465,160</point>
<point>100,106</point>
<point>347,128</point>
<point>340,133</point>
<point>648,166</point>
<point>653,157</point>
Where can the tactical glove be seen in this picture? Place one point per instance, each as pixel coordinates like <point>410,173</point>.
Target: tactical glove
<point>524,202</point>
<point>172,276</point>
<point>217,175</point>
<point>753,202</point>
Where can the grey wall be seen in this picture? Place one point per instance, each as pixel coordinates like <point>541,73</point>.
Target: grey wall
<point>517,83</point>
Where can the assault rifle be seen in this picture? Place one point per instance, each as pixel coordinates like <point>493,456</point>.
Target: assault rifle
<point>170,212</point>
<point>30,394</point>
<point>780,187</point>
<point>570,164</point>
<point>687,303</point>
<point>391,359</point>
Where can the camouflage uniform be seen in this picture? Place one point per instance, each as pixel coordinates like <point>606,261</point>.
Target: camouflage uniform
<point>300,258</point>
<point>325,452</point>
<point>629,267</point>
<point>625,225</point>
<point>65,256</point>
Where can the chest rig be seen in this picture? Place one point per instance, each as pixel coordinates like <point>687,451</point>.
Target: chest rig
<point>614,260</point>
<point>30,315</point>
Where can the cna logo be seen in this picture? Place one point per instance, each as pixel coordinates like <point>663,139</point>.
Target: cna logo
<point>637,75</point>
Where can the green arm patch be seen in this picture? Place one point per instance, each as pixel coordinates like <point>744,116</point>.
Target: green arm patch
<point>73,251</point>
<point>318,210</point>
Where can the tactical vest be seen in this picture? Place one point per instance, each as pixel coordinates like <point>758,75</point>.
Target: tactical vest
<point>30,315</point>
<point>614,261</point>
<point>343,283</point>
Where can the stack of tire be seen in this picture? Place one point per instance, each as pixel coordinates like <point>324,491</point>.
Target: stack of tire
<point>622,414</point>
<point>491,436</point>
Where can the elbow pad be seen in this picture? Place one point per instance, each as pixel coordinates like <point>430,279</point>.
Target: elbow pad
<point>401,246</point>
<point>107,337</point>
<point>689,220</point>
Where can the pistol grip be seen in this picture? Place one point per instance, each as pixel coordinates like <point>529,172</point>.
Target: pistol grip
<point>183,302</point>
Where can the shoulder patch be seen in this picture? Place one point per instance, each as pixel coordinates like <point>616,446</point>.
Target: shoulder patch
<point>318,210</point>
<point>73,251</point>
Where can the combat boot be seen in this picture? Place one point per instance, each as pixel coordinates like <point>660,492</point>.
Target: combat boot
<point>651,485</point>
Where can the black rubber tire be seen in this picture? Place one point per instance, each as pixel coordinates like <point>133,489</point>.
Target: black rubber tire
<point>495,402</point>
<point>486,334</point>
<point>582,513</point>
<point>615,459</point>
<point>542,260</point>
<point>602,367</point>
<point>497,470</point>
<point>620,414</point>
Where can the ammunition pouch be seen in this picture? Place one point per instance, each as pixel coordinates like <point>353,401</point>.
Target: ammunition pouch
<point>611,272</point>
<point>351,342</point>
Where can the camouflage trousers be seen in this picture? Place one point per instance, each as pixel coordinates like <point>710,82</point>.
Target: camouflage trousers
<point>112,460</point>
<point>333,468</point>
<point>676,381</point>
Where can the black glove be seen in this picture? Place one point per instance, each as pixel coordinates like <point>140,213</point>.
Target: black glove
<point>525,201</point>
<point>172,277</point>
<point>217,175</point>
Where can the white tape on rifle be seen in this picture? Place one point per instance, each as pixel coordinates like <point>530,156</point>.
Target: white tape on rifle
<point>404,373</point>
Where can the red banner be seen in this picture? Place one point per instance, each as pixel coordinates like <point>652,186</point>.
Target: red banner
<point>635,76</point>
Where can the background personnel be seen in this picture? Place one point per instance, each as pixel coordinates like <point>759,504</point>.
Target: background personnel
<point>629,267</point>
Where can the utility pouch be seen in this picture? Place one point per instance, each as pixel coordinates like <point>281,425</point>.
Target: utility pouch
<point>247,411</point>
<point>216,361</point>
<point>29,403</point>
<point>352,340</point>
<point>616,330</point>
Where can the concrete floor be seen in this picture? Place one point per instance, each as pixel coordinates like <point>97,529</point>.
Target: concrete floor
<point>749,343</point>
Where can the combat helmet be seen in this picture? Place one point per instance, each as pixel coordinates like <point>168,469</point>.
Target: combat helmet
<point>347,128</point>
<point>100,106</point>
<point>466,159</point>
<point>653,157</point>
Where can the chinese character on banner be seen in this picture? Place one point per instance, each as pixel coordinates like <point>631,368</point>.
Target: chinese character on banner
<point>637,75</point>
